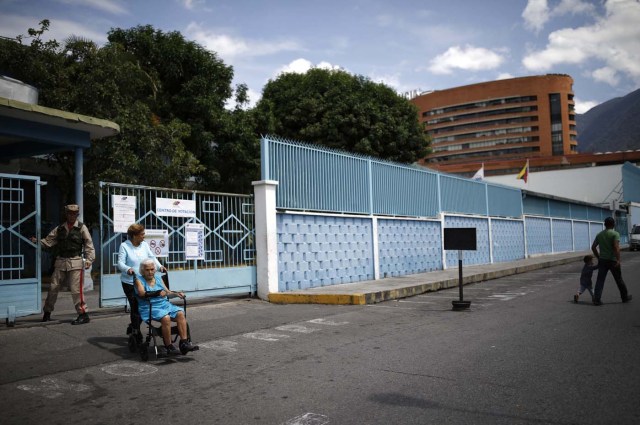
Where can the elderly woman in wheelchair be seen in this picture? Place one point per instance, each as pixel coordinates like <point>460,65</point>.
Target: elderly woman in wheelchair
<point>154,304</point>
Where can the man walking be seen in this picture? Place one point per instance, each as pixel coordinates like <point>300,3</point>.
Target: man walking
<point>68,240</point>
<point>608,242</point>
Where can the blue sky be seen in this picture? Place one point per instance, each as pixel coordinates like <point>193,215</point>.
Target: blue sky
<point>409,45</point>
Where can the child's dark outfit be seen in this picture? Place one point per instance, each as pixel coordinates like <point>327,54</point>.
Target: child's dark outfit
<point>585,280</point>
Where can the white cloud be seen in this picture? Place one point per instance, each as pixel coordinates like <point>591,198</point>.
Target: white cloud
<point>573,7</point>
<point>229,47</point>
<point>193,4</point>
<point>110,6</point>
<point>582,106</point>
<point>504,76</point>
<point>391,80</point>
<point>606,75</point>
<point>613,39</point>
<point>301,66</point>
<point>466,58</point>
<point>535,14</point>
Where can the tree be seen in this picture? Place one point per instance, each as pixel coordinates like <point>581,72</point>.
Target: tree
<point>167,94</point>
<point>339,110</point>
<point>189,83</point>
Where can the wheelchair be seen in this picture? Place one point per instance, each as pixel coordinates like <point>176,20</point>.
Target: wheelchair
<point>138,342</point>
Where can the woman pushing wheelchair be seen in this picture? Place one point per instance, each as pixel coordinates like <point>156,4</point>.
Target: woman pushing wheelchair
<point>154,304</point>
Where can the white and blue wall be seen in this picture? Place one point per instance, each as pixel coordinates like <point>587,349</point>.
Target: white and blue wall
<point>327,218</point>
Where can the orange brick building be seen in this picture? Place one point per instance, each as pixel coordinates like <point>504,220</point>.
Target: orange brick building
<point>502,122</point>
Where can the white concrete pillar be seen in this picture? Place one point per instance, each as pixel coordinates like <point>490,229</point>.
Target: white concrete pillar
<point>266,237</point>
<point>376,254</point>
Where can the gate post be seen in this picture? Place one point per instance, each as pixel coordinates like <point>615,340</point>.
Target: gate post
<point>266,237</point>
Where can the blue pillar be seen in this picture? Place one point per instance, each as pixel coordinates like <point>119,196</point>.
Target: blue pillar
<point>79,182</point>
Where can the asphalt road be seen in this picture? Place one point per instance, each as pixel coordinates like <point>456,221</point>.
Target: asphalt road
<point>523,354</point>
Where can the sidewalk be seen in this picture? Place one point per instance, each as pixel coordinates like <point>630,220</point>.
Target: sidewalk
<point>358,293</point>
<point>374,291</point>
<point>66,313</point>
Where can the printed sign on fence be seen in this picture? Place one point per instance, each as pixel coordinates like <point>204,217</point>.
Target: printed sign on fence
<point>124,212</point>
<point>194,241</point>
<point>158,240</point>
<point>175,207</point>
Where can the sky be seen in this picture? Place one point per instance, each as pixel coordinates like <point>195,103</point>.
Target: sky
<point>413,46</point>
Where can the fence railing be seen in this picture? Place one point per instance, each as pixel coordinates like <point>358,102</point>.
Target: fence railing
<point>228,232</point>
<point>313,178</point>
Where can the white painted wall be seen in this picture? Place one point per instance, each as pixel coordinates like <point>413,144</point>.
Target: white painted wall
<point>596,185</point>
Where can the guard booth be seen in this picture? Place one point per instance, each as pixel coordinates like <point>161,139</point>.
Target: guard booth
<point>26,130</point>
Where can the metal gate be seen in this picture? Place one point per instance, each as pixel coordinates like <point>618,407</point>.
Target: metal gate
<point>20,277</point>
<point>228,267</point>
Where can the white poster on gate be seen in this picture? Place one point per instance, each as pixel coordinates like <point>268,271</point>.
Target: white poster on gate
<point>124,212</point>
<point>194,241</point>
<point>175,207</point>
<point>158,240</point>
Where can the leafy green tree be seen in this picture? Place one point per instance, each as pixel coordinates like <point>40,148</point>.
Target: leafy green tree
<point>167,94</point>
<point>188,82</point>
<point>339,110</point>
<point>236,154</point>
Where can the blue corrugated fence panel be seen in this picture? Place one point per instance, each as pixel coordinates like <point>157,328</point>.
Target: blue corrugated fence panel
<point>579,212</point>
<point>404,191</point>
<point>559,209</point>
<point>595,214</point>
<point>535,206</point>
<point>315,179</point>
<point>504,201</point>
<point>463,196</point>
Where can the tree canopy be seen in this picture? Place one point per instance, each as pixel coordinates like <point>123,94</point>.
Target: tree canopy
<point>339,110</point>
<point>169,96</point>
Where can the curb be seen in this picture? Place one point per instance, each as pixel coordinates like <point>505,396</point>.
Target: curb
<point>408,291</point>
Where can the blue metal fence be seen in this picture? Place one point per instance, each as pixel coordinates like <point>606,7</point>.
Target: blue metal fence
<point>313,178</point>
<point>391,217</point>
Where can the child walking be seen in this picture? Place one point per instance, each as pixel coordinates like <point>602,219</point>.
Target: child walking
<point>585,277</point>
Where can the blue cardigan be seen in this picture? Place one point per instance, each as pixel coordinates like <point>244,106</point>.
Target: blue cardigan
<point>131,256</point>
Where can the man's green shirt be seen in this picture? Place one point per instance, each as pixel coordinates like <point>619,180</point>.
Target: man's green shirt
<point>605,240</point>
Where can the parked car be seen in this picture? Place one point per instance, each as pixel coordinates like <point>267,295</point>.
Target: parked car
<point>634,238</point>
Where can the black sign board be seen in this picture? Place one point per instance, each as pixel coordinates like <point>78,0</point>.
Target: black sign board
<point>461,238</point>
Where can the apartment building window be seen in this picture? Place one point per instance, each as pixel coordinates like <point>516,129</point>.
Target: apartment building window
<point>555,108</point>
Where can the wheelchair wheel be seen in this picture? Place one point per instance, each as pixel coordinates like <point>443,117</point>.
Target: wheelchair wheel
<point>144,352</point>
<point>132,343</point>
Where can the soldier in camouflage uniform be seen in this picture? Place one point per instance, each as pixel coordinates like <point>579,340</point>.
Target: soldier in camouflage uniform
<point>68,242</point>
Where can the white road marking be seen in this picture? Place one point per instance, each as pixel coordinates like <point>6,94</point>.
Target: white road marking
<point>327,322</point>
<point>416,302</point>
<point>129,368</point>
<point>308,419</point>
<point>296,328</point>
<point>53,388</point>
<point>265,336</point>
<point>507,295</point>
<point>227,346</point>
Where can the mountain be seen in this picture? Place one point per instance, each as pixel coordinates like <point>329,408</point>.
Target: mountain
<point>611,126</point>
